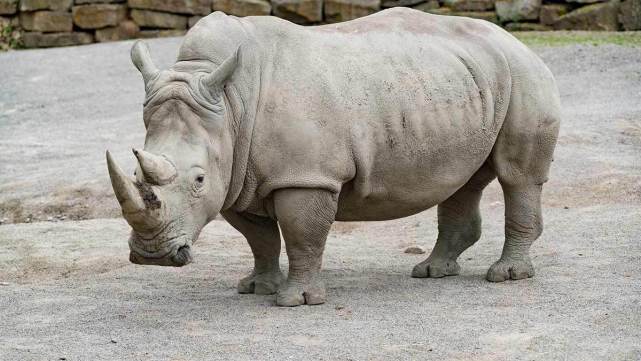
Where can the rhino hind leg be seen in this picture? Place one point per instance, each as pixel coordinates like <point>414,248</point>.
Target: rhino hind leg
<point>523,225</point>
<point>263,237</point>
<point>305,217</point>
<point>459,227</point>
<point>521,158</point>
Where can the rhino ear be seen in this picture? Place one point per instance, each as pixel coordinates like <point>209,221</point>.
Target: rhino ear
<point>142,60</point>
<point>217,79</point>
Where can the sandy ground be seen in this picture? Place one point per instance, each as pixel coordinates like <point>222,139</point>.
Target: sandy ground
<point>68,291</point>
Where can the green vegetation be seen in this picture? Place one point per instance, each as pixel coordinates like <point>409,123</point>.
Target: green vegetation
<point>9,36</point>
<point>561,38</point>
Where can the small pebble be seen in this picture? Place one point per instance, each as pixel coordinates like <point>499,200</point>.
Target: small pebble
<point>4,283</point>
<point>414,250</point>
<point>114,341</point>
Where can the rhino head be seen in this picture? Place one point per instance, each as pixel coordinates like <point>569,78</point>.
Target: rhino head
<point>184,170</point>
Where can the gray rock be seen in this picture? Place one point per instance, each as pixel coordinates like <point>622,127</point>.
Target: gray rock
<point>96,16</point>
<point>585,1</point>
<point>9,21</point>
<point>630,14</point>
<point>125,30</point>
<point>394,3</point>
<point>414,250</point>
<point>523,26</point>
<point>148,34</point>
<point>469,5</point>
<point>190,7</point>
<point>80,2</point>
<point>483,15</point>
<point>550,13</point>
<point>344,10</point>
<point>155,19</point>
<point>40,40</point>
<point>8,7</point>
<point>46,21</point>
<point>193,20</point>
<point>602,16</point>
<point>517,10</point>
<point>299,11</point>
<point>243,7</point>
<point>32,5</point>
<point>430,5</point>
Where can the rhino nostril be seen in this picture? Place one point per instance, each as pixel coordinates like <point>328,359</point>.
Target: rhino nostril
<point>183,255</point>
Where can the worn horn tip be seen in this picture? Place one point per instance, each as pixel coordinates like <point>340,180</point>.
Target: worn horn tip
<point>110,159</point>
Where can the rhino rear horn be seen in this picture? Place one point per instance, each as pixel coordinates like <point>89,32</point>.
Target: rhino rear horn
<point>218,78</point>
<point>142,60</point>
<point>156,169</point>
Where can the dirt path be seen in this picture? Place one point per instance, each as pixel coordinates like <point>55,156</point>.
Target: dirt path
<point>68,291</point>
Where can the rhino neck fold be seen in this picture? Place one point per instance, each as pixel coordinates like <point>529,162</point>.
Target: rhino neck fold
<point>241,101</point>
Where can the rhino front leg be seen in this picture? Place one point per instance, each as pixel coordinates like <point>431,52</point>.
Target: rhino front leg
<point>305,217</point>
<point>263,237</point>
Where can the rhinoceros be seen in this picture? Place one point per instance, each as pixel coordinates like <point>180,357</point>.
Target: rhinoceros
<point>284,128</point>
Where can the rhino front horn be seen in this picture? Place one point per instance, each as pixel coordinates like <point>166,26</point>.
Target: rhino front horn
<point>156,169</point>
<point>142,60</point>
<point>126,191</point>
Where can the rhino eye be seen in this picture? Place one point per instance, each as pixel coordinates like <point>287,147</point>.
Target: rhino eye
<point>200,178</point>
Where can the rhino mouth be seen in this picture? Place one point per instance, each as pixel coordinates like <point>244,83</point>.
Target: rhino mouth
<point>178,255</point>
<point>181,258</point>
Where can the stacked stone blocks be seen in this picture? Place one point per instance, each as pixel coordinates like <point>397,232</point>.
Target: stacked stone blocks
<point>45,23</point>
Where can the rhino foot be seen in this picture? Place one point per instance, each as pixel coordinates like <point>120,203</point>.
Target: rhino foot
<point>295,294</point>
<point>506,269</point>
<point>436,268</point>
<point>261,283</point>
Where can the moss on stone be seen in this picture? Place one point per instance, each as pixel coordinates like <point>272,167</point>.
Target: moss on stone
<point>562,38</point>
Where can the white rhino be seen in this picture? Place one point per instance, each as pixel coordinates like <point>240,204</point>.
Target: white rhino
<point>269,123</point>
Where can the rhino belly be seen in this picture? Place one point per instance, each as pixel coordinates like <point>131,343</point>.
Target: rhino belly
<point>396,191</point>
<point>407,164</point>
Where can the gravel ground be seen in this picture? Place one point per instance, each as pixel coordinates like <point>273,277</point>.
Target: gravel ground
<point>68,291</point>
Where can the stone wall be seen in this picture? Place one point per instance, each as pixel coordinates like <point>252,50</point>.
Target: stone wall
<point>47,23</point>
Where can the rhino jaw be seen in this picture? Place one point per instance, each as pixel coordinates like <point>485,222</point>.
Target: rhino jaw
<point>182,257</point>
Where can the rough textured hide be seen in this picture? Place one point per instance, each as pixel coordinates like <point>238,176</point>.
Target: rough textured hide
<point>372,119</point>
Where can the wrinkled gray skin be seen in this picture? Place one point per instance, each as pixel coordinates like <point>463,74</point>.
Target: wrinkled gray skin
<point>270,123</point>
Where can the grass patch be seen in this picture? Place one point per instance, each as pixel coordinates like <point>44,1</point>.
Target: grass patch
<point>562,38</point>
<point>9,36</point>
